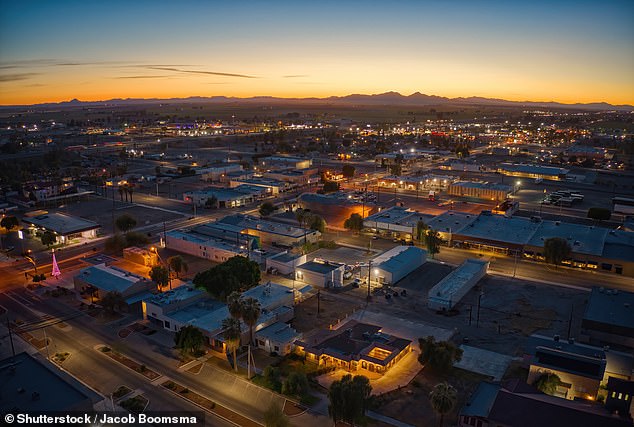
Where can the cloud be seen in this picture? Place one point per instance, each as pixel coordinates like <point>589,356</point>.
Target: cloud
<point>16,77</point>
<point>212,73</point>
<point>295,76</point>
<point>141,77</point>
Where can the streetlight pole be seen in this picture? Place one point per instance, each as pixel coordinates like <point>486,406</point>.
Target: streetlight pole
<point>369,278</point>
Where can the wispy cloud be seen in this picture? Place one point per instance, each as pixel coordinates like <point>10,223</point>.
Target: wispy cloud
<point>142,77</point>
<point>16,77</point>
<point>212,73</point>
<point>295,76</point>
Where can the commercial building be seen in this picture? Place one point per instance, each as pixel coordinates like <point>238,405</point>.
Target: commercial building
<point>450,222</point>
<point>393,265</point>
<point>519,405</point>
<point>32,384</point>
<point>215,173</point>
<point>202,246</point>
<point>284,262</point>
<point>269,187</point>
<point>480,190</point>
<point>284,162</point>
<point>453,287</point>
<point>609,318</point>
<point>277,338</point>
<point>95,282</point>
<point>67,227</point>
<point>355,347</point>
<point>225,197</point>
<point>294,177</point>
<point>396,221</point>
<point>420,182</point>
<point>270,232</point>
<point>320,274</point>
<point>140,256</point>
<point>533,171</point>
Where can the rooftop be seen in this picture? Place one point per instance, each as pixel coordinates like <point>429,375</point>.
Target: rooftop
<point>451,221</point>
<point>612,307</point>
<point>182,293</point>
<point>533,169</point>
<point>582,239</point>
<point>319,267</point>
<point>458,278</point>
<point>515,230</point>
<point>262,225</point>
<point>487,185</point>
<point>109,278</point>
<point>280,332</point>
<point>399,256</point>
<point>204,240</point>
<point>61,223</point>
<point>588,366</point>
<point>270,294</point>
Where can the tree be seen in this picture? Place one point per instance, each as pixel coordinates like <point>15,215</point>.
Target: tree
<point>125,223</point>
<point>48,238</point>
<point>296,384</point>
<point>599,214</point>
<point>133,238</point>
<point>354,223</point>
<point>112,301</point>
<point>443,398</point>
<point>177,264</point>
<point>547,383</point>
<point>234,305</point>
<point>130,190</point>
<point>251,311</point>
<point>232,334</point>
<point>438,356</point>
<point>274,416</point>
<point>317,223</point>
<point>421,230</point>
<point>432,242</point>
<point>556,250</point>
<point>236,274</point>
<point>331,186</point>
<point>189,339</point>
<point>160,275</point>
<point>267,208</point>
<point>349,398</point>
<point>121,191</point>
<point>301,215</point>
<point>9,223</point>
<point>348,171</point>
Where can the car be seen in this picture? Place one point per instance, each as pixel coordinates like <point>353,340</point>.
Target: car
<point>375,237</point>
<point>357,282</point>
<point>347,274</point>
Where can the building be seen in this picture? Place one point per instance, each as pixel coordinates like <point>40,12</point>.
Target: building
<point>396,221</point>
<point>320,274</point>
<point>294,177</point>
<point>416,183</point>
<point>586,152</point>
<point>335,208</point>
<point>453,287</point>
<point>355,347</point>
<point>202,246</point>
<point>140,256</point>
<point>32,384</point>
<point>533,171</point>
<point>519,405</point>
<point>215,173</point>
<point>66,227</point>
<point>95,282</point>
<point>284,162</point>
<point>225,197</point>
<point>450,222</point>
<point>277,338</point>
<point>393,265</point>
<point>609,318</point>
<point>480,190</point>
<point>620,397</point>
<point>284,262</point>
<point>270,232</point>
<point>186,305</point>
<point>269,187</point>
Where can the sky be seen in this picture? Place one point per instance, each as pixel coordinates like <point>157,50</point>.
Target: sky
<point>566,51</point>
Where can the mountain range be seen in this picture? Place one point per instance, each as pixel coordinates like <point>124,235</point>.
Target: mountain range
<point>382,99</point>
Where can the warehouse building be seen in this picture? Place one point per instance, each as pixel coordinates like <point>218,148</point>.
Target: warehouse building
<point>284,162</point>
<point>453,287</point>
<point>533,171</point>
<point>393,265</point>
<point>323,274</point>
<point>270,232</point>
<point>225,197</point>
<point>480,190</point>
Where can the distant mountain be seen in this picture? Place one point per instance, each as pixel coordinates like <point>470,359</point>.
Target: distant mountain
<point>384,99</point>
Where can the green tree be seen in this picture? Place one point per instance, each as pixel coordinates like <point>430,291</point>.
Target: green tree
<point>125,223</point>
<point>274,416</point>
<point>599,214</point>
<point>438,356</point>
<point>189,339</point>
<point>354,223</point>
<point>116,243</point>
<point>301,215</point>
<point>331,186</point>
<point>9,223</point>
<point>349,398</point>
<point>547,383</point>
<point>317,223</point>
<point>232,333</point>
<point>251,311</point>
<point>132,238</point>
<point>296,384</point>
<point>160,275</point>
<point>236,274</point>
<point>234,305</point>
<point>556,250</point>
<point>177,264</point>
<point>267,208</point>
<point>443,398</point>
<point>421,230</point>
<point>113,301</point>
<point>432,242</point>
<point>348,171</point>
<point>48,238</point>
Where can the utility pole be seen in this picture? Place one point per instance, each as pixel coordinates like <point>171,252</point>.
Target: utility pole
<point>10,335</point>
<point>478,314</point>
<point>369,278</point>
<point>572,307</point>
<point>318,302</point>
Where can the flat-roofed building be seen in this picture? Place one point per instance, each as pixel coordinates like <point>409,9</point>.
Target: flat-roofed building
<point>480,190</point>
<point>67,227</point>
<point>270,232</point>
<point>199,245</point>
<point>393,265</point>
<point>270,187</point>
<point>320,274</point>
<point>215,172</point>
<point>450,222</point>
<point>453,287</point>
<point>277,338</point>
<point>284,262</point>
<point>533,171</point>
<point>396,221</point>
<point>284,162</point>
<point>225,197</point>
<point>295,177</point>
<point>609,318</point>
<point>95,282</point>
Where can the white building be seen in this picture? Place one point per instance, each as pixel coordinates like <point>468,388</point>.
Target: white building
<point>450,290</point>
<point>215,173</point>
<point>393,265</point>
<point>277,338</point>
<point>285,262</point>
<point>321,274</point>
<point>199,245</point>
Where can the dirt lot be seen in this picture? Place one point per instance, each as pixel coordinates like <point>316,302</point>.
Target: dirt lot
<point>332,309</point>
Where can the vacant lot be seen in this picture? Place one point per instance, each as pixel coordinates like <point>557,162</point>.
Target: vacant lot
<point>332,310</point>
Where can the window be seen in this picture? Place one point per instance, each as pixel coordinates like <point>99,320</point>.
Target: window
<point>167,324</point>
<point>620,396</point>
<point>613,394</point>
<point>277,348</point>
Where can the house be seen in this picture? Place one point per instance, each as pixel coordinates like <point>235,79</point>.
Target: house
<point>356,347</point>
<point>277,338</point>
<point>202,246</point>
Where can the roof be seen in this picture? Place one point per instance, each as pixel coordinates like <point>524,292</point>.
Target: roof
<point>222,194</point>
<point>514,230</point>
<point>486,185</point>
<point>587,366</point>
<point>182,293</point>
<point>285,257</point>
<point>582,239</point>
<point>620,385</point>
<point>451,221</point>
<point>109,279</point>
<point>611,307</point>
<point>249,222</point>
<point>206,314</point>
<point>395,215</point>
<point>337,199</point>
<point>533,169</point>
<point>270,294</point>
<point>279,332</point>
<point>455,280</point>
<point>481,401</point>
<point>319,267</point>
<point>398,257</point>
<point>619,245</point>
<point>61,223</point>
<point>201,239</point>
<point>56,391</point>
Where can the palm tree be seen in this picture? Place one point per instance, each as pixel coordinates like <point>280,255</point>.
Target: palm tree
<point>251,311</point>
<point>120,189</point>
<point>178,264</point>
<point>232,333</point>
<point>443,399</point>
<point>130,191</point>
<point>234,304</point>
